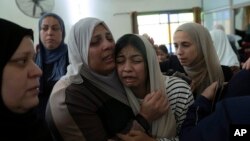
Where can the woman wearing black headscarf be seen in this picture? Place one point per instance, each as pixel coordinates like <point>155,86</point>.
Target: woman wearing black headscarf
<point>19,81</point>
<point>52,56</point>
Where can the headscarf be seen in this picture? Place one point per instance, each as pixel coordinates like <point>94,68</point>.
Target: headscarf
<point>11,36</point>
<point>58,57</point>
<point>78,46</point>
<point>166,125</point>
<point>206,67</point>
<point>223,48</point>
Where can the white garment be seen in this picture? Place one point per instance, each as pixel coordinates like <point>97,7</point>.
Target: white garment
<point>223,48</point>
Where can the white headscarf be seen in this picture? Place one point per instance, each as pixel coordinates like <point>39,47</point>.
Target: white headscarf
<point>78,48</point>
<point>223,48</point>
<point>166,125</point>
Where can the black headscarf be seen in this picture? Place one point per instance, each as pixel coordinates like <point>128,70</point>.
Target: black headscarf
<point>14,126</point>
<point>11,36</point>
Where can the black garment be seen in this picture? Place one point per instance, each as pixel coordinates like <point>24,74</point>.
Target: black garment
<point>227,72</point>
<point>239,85</point>
<point>202,125</point>
<point>171,66</point>
<point>22,127</point>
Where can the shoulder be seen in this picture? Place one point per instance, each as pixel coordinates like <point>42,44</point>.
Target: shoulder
<point>175,83</point>
<point>178,90</point>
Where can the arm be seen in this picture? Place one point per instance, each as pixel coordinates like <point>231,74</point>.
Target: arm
<point>199,110</point>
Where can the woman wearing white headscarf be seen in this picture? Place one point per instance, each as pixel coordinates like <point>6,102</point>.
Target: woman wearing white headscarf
<point>89,103</point>
<point>223,48</point>
<point>134,51</point>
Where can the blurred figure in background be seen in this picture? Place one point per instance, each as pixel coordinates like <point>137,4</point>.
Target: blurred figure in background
<point>162,53</point>
<point>224,50</point>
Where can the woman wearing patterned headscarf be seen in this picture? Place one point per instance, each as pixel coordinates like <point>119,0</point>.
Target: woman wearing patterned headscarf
<point>52,56</point>
<point>19,83</point>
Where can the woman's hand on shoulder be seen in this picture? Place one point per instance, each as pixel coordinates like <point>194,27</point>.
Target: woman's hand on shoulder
<point>210,91</point>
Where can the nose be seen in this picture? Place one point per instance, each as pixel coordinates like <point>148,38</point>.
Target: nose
<point>107,45</point>
<point>127,67</point>
<point>35,71</point>
<point>179,51</point>
<point>50,31</point>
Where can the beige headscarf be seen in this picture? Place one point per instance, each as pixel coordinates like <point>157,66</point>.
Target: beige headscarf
<point>206,67</point>
<point>166,125</point>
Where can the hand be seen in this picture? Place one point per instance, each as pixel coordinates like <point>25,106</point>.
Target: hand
<point>210,91</point>
<point>154,106</point>
<point>246,65</point>
<point>135,135</point>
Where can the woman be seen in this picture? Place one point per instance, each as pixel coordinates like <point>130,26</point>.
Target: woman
<point>89,103</point>
<point>52,56</point>
<point>162,53</point>
<point>196,53</point>
<point>140,74</point>
<point>19,85</point>
<point>224,50</point>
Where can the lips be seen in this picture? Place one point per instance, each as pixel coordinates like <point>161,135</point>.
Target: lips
<point>50,40</point>
<point>34,90</point>
<point>108,58</point>
<point>128,79</point>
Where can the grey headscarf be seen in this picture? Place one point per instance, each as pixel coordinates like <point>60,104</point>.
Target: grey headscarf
<point>78,47</point>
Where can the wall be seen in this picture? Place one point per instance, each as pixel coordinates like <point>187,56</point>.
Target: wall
<point>116,13</point>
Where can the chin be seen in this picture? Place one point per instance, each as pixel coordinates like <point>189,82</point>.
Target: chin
<point>33,102</point>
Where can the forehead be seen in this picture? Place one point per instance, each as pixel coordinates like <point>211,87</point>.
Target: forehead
<point>130,50</point>
<point>50,21</point>
<point>182,36</point>
<point>99,29</point>
<point>25,46</point>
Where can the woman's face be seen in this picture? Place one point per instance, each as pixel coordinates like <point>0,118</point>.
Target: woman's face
<point>162,56</point>
<point>186,50</point>
<point>50,33</point>
<point>21,79</point>
<point>131,67</point>
<point>101,51</point>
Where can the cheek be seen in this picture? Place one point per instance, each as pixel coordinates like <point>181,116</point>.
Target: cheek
<point>13,88</point>
<point>141,72</point>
